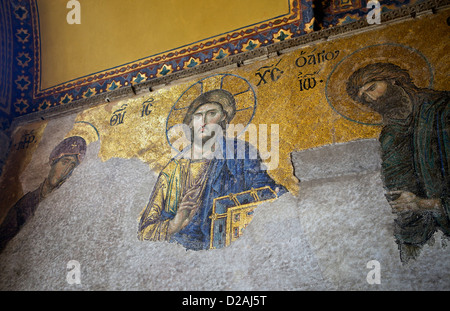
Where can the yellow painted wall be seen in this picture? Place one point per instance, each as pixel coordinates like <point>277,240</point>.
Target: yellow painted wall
<point>115,32</point>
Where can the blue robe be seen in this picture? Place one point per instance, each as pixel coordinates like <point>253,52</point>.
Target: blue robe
<point>230,172</point>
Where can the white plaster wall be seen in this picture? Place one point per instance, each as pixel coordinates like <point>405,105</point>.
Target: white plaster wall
<point>349,222</point>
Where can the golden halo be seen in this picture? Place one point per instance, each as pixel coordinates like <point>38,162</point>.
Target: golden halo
<point>405,57</point>
<point>239,87</point>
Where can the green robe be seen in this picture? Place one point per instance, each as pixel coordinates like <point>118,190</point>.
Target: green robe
<point>415,158</point>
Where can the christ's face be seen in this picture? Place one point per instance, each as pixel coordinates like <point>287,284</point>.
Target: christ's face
<point>386,98</point>
<point>206,120</point>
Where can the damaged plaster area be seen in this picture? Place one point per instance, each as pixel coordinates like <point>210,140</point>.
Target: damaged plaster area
<point>320,239</point>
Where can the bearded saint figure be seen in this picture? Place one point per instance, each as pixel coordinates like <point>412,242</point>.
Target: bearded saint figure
<point>415,147</point>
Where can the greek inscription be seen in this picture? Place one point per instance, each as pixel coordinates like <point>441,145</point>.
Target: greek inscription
<point>118,116</point>
<point>307,81</point>
<point>314,58</point>
<point>146,107</point>
<point>274,73</point>
<point>25,141</point>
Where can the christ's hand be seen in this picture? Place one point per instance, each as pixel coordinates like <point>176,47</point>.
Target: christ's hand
<point>184,214</point>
